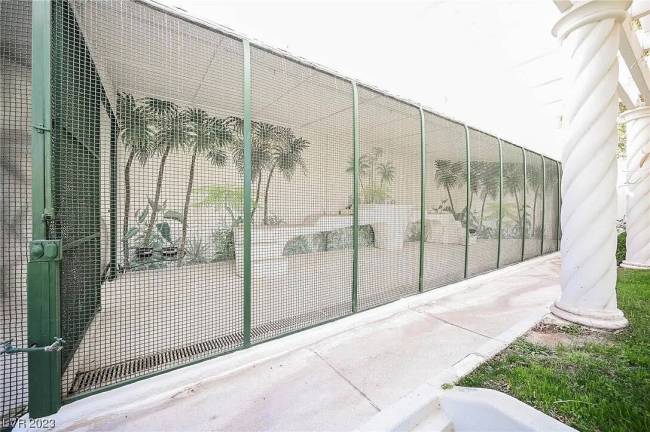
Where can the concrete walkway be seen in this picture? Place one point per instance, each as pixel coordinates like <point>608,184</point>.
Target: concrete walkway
<point>337,376</point>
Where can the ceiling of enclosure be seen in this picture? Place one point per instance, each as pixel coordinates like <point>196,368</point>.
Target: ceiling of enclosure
<point>148,53</point>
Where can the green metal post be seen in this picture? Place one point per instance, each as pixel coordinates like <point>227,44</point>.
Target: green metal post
<point>43,268</point>
<point>541,247</point>
<point>355,199</point>
<point>247,193</point>
<point>559,206</point>
<point>112,272</point>
<point>523,237</point>
<point>467,199</point>
<point>43,312</point>
<point>423,155</point>
<point>42,208</point>
<point>500,201</point>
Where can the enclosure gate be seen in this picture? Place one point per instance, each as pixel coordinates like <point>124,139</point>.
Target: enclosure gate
<point>193,194</point>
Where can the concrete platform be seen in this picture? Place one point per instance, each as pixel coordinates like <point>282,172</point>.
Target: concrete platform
<point>337,376</point>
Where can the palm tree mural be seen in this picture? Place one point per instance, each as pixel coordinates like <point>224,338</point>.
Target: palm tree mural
<point>534,180</point>
<point>488,182</point>
<point>263,137</point>
<point>371,166</point>
<point>137,136</point>
<point>270,148</point>
<point>450,175</point>
<point>386,171</point>
<point>208,136</point>
<point>172,133</point>
<point>364,167</point>
<point>286,156</point>
<point>513,183</point>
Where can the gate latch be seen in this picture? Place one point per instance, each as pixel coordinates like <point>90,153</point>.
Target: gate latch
<point>7,348</point>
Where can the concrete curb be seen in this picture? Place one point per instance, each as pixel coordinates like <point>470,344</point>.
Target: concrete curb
<point>424,401</point>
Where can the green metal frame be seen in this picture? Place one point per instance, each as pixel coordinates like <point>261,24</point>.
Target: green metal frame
<point>43,268</point>
<point>541,247</point>
<point>423,148</point>
<point>42,208</point>
<point>467,199</point>
<point>247,192</point>
<point>523,235</point>
<point>500,202</point>
<point>355,199</point>
<point>112,271</point>
<point>43,303</point>
<point>559,205</point>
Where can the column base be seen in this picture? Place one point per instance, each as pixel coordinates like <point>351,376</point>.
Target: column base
<point>601,319</point>
<point>635,266</point>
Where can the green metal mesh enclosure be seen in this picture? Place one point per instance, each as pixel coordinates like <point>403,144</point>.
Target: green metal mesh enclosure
<point>551,206</point>
<point>149,165</point>
<point>389,133</point>
<point>15,193</point>
<point>445,200</point>
<point>534,205</point>
<point>483,250</point>
<point>512,210</point>
<point>302,195</point>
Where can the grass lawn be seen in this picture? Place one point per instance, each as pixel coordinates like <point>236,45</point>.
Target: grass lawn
<point>592,381</point>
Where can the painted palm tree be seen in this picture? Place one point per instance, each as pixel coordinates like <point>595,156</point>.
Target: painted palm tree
<point>208,136</point>
<point>364,168</point>
<point>264,137</point>
<point>477,172</point>
<point>450,175</point>
<point>489,185</point>
<point>286,156</point>
<point>513,183</point>
<point>137,136</point>
<point>373,159</point>
<point>534,181</point>
<point>386,171</point>
<point>172,133</point>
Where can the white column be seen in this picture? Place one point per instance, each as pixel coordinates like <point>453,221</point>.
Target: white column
<point>590,33</point>
<point>637,217</point>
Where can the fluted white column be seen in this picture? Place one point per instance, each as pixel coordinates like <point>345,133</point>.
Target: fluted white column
<point>590,33</point>
<point>637,214</point>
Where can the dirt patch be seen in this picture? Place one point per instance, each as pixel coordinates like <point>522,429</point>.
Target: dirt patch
<point>550,333</point>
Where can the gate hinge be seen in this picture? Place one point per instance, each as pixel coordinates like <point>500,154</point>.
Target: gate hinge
<point>40,128</point>
<point>7,348</point>
<point>45,250</point>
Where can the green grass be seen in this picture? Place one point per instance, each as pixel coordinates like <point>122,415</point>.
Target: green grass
<point>602,384</point>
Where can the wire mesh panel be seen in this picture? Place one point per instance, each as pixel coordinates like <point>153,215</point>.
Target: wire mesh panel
<point>550,206</point>
<point>75,170</point>
<point>446,199</point>
<point>512,211</point>
<point>534,194</point>
<point>302,191</point>
<point>484,203</point>
<point>390,140</point>
<point>15,196</point>
<point>148,190</point>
